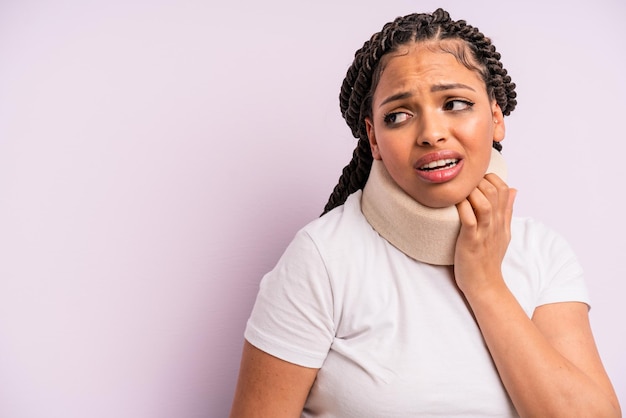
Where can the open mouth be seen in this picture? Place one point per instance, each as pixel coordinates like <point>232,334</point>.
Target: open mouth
<point>439,164</point>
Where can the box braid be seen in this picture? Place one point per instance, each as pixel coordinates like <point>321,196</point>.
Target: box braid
<point>355,99</point>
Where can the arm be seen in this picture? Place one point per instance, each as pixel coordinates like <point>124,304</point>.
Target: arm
<point>549,364</point>
<point>269,387</point>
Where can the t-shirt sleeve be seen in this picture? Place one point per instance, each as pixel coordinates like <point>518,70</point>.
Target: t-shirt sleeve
<point>292,318</point>
<point>563,276</point>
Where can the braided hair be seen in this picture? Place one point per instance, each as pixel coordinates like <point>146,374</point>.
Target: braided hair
<point>355,99</point>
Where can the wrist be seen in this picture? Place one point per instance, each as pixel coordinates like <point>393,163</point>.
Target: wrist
<point>490,289</point>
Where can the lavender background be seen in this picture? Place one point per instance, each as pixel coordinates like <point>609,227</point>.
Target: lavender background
<point>157,156</point>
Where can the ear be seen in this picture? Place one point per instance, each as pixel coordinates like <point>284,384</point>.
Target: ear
<point>498,119</point>
<point>369,127</point>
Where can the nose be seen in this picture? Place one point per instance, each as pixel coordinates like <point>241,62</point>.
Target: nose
<point>432,129</point>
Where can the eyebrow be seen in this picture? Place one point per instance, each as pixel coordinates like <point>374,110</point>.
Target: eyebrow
<point>397,96</point>
<point>434,88</point>
<point>440,87</point>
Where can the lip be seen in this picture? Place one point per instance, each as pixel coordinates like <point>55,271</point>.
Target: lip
<point>439,175</point>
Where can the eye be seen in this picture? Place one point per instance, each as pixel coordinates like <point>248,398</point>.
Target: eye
<point>458,105</point>
<point>396,118</point>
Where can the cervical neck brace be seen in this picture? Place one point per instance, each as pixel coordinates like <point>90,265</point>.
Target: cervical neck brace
<point>425,234</point>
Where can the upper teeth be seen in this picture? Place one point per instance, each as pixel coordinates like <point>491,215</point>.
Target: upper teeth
<point>438,164</point>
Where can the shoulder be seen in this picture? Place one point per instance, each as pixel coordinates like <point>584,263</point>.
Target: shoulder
<point>341,227</point>
<point>529,235</point>
<point>528,227</point>
<point>343,215</point>
<point>333,238</point>
<point>541,266</point>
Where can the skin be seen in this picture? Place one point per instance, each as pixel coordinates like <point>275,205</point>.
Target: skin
<point>269,387</point>
<point>549,363</point>
<point>428,106</point>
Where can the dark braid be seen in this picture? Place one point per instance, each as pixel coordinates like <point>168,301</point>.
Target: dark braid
<point>355,99</point>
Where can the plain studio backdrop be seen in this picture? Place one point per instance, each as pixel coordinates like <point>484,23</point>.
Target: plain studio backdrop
<point>156,157</point>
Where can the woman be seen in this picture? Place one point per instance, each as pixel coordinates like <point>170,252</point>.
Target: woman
<point>417,293</point>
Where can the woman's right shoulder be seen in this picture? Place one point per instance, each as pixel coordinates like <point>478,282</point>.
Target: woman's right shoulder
<point>343,222</point>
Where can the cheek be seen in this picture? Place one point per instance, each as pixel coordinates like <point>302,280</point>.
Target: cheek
<point>388,142</point>
<point>477,132</point>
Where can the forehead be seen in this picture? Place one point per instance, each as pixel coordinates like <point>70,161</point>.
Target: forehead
<point>458,48</point>
<point>430,62</point>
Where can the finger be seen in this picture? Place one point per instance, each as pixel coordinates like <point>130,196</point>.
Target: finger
<point>482,205</point>
<point>502,191</point>
<point>490,191</point>
<point>509,206</point>
<point>494,178</point>
<point>466,213</point>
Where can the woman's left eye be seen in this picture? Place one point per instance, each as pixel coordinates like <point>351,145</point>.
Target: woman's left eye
<point>458,105</point>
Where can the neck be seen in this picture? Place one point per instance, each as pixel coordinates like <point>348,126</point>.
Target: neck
<point>425,234</point>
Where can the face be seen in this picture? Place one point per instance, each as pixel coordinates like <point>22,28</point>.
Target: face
<point>433,124</point>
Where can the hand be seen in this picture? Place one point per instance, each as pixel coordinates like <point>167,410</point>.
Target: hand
<point>485,234</point>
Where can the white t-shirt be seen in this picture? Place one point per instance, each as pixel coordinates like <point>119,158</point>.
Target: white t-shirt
<point>394,337</point>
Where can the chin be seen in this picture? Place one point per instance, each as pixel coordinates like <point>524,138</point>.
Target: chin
<point>436,204</point>
<point>440,197</point>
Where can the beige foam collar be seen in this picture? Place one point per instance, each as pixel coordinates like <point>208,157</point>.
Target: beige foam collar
<point>425,234</point>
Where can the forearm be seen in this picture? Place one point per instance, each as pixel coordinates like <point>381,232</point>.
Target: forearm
<point>540,381</point>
